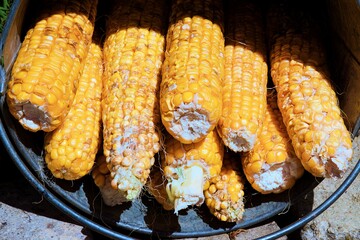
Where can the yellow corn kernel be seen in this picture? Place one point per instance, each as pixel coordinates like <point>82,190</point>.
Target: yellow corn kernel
<point>193,70</point>
<point>133,54</point>
<point>42,53</point>
<point>224,197</point>
<point>78,138</point>
<point>244,85</point>
<point>272,166</point>
<point>187,174</point>
<point>306,99</point>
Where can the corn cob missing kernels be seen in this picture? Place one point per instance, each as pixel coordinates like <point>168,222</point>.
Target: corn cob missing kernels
<point>71,148</point>
<point>306,99</point>
<point>133,55</point>
<point>47,69</point>
<point>190,93</point>
<point>272,166</point>
<point>244,85</point>
<point>224,193</point>
<point>187,167</point>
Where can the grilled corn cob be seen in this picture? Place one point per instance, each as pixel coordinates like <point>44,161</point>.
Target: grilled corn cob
<point>45,74</point>
<point>272,166</point>
<point>188,166</point>
<point>190,91</point>
<point>133,55</point>
<point>244,85</point>
<point>306,99</point>
<point>71,148</point>
<point>102,179</point>
<point>156,186</point>
<point>224,193</point>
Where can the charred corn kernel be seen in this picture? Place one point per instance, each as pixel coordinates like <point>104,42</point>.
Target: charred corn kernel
<point>156,186</point>
<point>224,193</point>
<point>102,179</point>
<point>187,173</point>
<point>297,63</point>
<point>277,167</point>
<point>244,85</point>
<point>80,131</point>
<point>190,91</point>
<point>51,59</point>
<point>133,55</point>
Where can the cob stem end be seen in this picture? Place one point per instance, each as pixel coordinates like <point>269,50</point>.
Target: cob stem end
<point>187,189</point>
<point>111,196</point>
<point>33,118</point>
<point>240,140</point>
<point>190,123</point>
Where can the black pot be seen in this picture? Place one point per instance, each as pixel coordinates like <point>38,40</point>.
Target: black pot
<point>81,200</point>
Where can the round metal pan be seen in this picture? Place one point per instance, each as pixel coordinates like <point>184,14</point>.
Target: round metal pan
<point>145,215</point>
<point>81,199</point>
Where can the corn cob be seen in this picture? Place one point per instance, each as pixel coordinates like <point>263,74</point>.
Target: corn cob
<point>156,186</point>
<point>187,167</point>
<point>306,99</point>
<point>45,74</point>
<point>272,166</point>
<point>102,179</point>
<point>71,148</point>
<point>224,193</point>
<point>190,91</point>
<point>244,85</point>
<point>133,55</point>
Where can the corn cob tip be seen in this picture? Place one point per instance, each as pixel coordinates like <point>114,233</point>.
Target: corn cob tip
<point>126,183</point>
<point>102,179</point>
<point>111,196</point>
<point>186,187</point>
<point>228,211</point>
